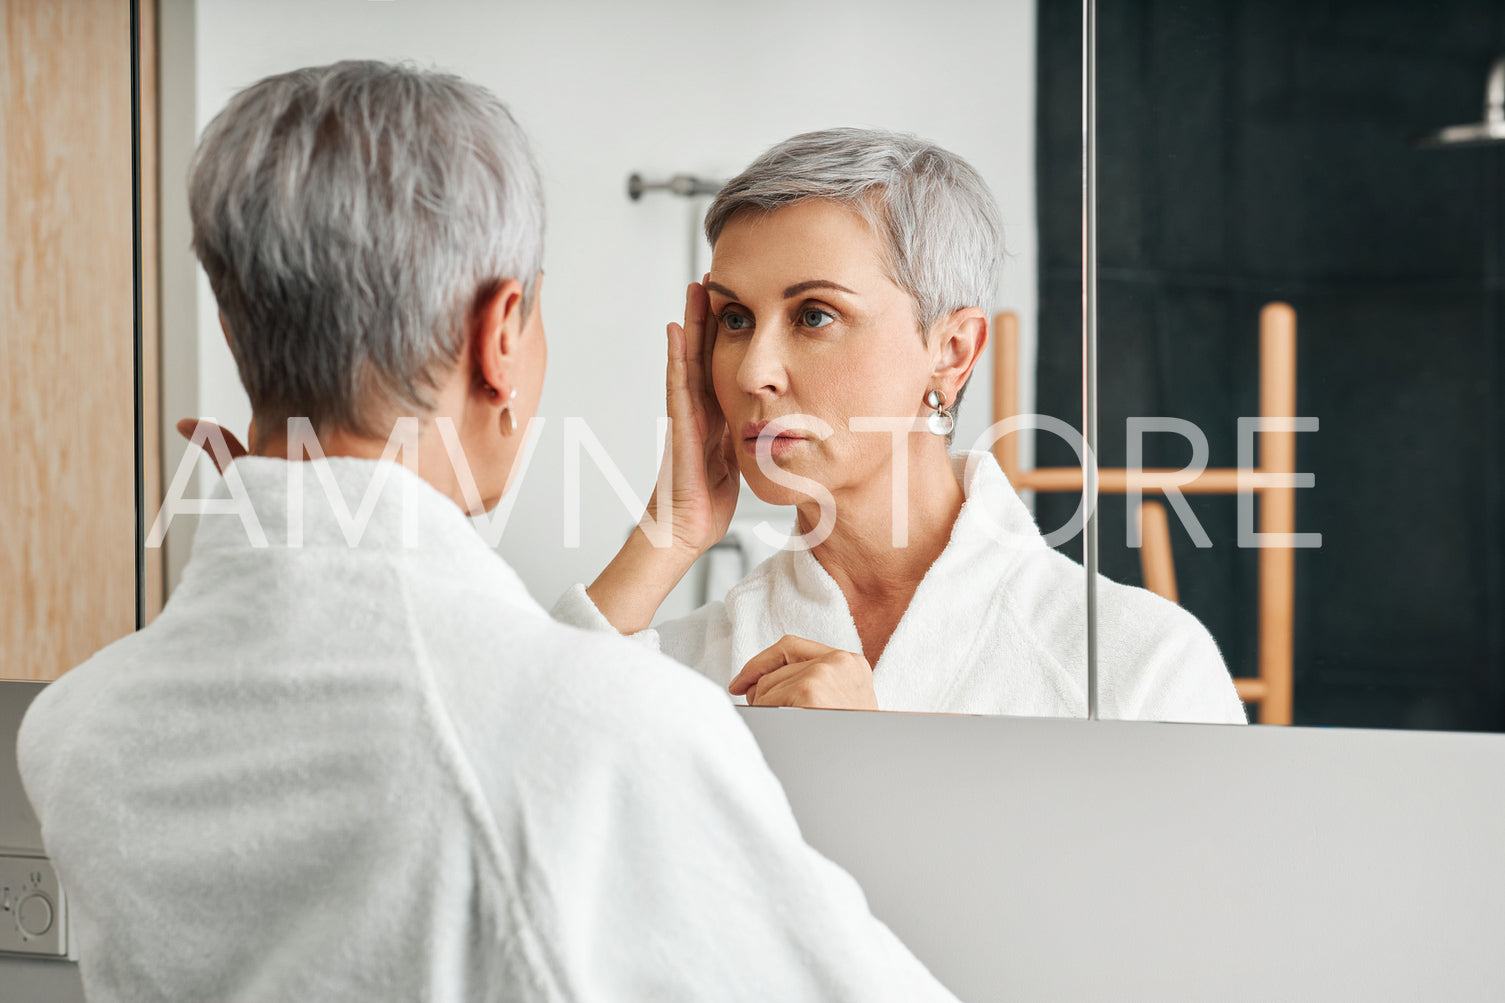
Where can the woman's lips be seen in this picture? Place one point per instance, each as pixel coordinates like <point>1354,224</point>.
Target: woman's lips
<point>768,437</point>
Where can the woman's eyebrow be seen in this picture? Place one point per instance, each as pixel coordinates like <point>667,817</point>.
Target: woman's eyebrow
<point>800,287</point>
<point>791,292</point>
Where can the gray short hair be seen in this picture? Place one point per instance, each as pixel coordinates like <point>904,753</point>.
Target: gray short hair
<point>349,218</point>
<point>940,226</point>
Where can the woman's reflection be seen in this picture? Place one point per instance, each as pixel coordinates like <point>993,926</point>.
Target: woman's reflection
<point>844,313</point>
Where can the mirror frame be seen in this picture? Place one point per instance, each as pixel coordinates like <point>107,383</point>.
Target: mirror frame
<point>1089,338</point>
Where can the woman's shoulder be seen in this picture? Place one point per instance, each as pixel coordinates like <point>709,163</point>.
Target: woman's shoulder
<point>1163,662</point>
<point>1126,607</point>
<point>1156,659</point>
<point>1051,589</point>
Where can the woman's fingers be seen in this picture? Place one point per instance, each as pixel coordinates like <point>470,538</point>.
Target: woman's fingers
<point>835,680</point>
<point>707,343</point>
<point>696,489</point>
<point>686,377</point>
<point>697,305</point>
<point>758,666</point>
<point>205,433</point>
<point>785,651</point>
<point>759,690</point>
<point>676,391</point>
<point>686,411</point>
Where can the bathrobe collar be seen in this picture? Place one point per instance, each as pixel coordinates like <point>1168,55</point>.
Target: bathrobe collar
<point>267,504</point>
<point>992,533</point>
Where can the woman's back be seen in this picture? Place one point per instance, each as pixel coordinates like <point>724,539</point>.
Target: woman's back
<point>382,772</point>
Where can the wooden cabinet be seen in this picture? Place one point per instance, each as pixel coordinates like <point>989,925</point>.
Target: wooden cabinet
<point>67,560</point>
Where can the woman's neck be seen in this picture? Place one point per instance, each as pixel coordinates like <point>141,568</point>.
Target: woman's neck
<point>880,546</point>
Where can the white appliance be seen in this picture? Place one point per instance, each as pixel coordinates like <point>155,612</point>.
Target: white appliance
<point>34,951</point>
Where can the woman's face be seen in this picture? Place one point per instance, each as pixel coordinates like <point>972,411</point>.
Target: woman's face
<point>806,321</point>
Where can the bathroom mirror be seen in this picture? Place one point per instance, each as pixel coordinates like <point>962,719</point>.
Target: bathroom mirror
<point>1283,152</point>
<point>606,91</point>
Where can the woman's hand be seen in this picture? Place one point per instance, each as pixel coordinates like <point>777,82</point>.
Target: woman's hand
<point>697,487</point>
<point>189,428</point>
<point>796,672</point>
<point>699,481</point>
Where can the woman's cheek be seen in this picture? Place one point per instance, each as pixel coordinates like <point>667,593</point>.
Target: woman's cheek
<point>723,376</point>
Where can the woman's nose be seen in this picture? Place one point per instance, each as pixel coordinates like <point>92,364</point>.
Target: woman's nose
<point>762,370</point>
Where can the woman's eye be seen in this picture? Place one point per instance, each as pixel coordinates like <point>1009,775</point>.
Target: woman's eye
<point>734,321</point>
<point>815,317</point>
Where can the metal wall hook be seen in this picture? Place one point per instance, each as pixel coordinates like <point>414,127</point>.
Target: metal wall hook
<point>687,185</point>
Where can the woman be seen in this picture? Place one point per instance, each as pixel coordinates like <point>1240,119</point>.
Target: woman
<point>352,759</point>
<point>844,315</point>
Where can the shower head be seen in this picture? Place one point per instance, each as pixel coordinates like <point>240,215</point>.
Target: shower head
<point>1485,133</point>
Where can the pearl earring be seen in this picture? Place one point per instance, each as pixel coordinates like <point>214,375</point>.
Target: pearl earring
<point>511,425</point>
<point>942,421</point>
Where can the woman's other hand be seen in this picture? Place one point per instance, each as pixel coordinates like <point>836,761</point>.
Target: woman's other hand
<point>699,481</point>
<point>796,672</point>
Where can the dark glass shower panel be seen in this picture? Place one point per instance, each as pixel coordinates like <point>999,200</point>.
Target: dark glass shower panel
<point>1258,151</point>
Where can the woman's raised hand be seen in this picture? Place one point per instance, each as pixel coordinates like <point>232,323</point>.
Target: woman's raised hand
<point>697,487</point>
<point>698,482</point>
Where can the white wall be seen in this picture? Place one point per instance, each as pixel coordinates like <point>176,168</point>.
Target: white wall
<point>660,87</point>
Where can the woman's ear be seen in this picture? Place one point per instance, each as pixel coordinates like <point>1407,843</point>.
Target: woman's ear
<point>963,334</point>
<point>496,326</point>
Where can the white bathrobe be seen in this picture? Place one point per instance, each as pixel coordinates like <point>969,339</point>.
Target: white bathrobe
<point>382,772</point>
<point>997,626</point>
